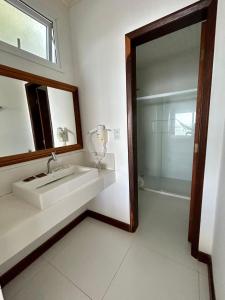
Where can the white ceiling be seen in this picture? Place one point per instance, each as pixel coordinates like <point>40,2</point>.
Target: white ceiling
<point>69,2</point>
<point>169,45</point>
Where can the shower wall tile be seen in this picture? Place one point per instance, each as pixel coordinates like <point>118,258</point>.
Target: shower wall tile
<point>166,138</point>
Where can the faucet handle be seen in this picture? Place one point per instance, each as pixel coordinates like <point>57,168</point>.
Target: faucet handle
<point>54,156</point>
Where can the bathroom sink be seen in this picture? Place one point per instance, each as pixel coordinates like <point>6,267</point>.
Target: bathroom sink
<point>46,191</point>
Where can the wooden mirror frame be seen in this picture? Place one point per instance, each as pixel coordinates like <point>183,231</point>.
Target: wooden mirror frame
<point>29,77</point>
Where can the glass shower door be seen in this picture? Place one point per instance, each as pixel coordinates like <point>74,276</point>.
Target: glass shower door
<point>177,146</point>
<point>166,142</point>
<point>150,149</point>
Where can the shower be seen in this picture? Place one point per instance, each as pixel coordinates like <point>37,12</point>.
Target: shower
<point>166,124</point>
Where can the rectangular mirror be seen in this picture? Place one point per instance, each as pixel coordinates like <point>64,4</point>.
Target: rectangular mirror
<point>37,116</point>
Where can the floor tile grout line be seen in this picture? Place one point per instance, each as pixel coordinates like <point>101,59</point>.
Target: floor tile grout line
<point>64,275</point>
<point>7,194</point>
<point>171,259</point>
<point>134,243</point>
<point>30,277</point>
<point>67,278</point>
<point>117,271</point>
<point>199,286</point>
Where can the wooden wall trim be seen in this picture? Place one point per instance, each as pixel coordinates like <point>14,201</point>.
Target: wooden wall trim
<point>30,258</point>
<point>207,259</point>
<point>34,255</point>
<point>108,220</point>
<point>204,10</point>
<point>25,76</point>
<point>182,18</point>
<point>20,158</point>
<point>202,117</point>
<point>132,131</point>
<point>195,181</point>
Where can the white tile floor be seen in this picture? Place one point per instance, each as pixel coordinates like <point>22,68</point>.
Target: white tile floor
<point>97,261</point>
<point>168,185</point>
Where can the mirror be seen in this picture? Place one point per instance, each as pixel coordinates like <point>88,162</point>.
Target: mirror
<point>37,116</point>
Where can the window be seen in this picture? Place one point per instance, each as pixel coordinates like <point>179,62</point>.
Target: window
<point>26,29</point>
<point>184,124</point>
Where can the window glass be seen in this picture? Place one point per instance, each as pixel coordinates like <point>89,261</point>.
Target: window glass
<point>25,32</point>
<point>184,123</point>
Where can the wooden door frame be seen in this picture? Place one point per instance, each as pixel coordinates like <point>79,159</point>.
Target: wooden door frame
<point>204,10</point>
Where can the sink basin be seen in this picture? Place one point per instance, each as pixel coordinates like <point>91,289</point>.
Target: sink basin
<point>46,191</point>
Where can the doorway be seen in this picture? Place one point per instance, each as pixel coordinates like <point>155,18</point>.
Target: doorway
<point>200,12</point>
<point>38,103</point>
<point>167,79</point>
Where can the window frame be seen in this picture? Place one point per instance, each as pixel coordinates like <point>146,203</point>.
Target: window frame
<point>50,28</point>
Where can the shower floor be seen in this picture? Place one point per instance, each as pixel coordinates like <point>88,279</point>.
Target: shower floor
<point>168,185</point>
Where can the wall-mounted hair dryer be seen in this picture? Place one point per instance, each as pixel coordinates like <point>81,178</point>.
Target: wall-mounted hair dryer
<point>98,146</point>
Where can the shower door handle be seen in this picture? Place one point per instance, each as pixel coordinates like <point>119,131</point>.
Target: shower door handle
<point>196,148</point>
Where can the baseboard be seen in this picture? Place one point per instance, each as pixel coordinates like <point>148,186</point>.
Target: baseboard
<point>207,259</point>
<point>30,258</point>
<point>108,220</point>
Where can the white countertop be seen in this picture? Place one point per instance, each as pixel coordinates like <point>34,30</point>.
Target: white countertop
<point>22,224</point>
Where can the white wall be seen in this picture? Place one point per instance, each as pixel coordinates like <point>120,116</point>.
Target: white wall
<point>175,73</point>
<point>15,126</point>
<point>218,253</point>
<point>98,29</point>
<point>215,138</point>
<point>54,10</point>
<point>216,159</point>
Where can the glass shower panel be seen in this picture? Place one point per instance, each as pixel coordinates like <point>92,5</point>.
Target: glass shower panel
<point>166,136</point>
<point>150,144</point>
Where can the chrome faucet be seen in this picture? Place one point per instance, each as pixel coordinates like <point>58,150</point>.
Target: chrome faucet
<point>53,157</point>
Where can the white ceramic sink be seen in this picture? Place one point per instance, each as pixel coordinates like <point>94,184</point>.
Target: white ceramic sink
<point>46,191</point>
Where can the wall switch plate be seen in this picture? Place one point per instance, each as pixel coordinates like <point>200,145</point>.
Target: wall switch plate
<point>117,134</point>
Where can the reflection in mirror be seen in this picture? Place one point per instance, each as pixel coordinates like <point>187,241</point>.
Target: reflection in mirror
<point>15,126</point>
<point>63,117</point>
<point>34,117</point>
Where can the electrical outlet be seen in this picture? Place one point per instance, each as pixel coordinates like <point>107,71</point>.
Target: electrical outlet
<point>117,134</point>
